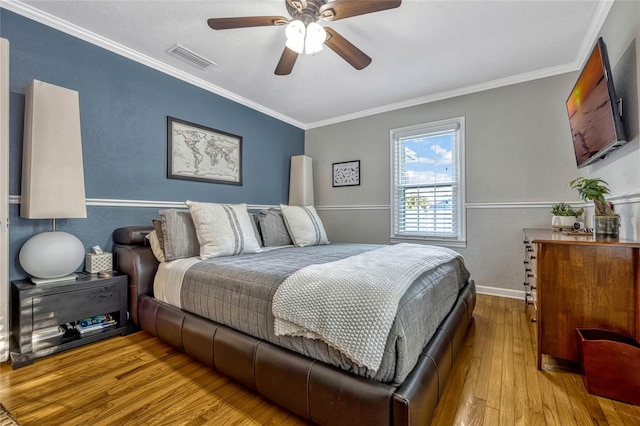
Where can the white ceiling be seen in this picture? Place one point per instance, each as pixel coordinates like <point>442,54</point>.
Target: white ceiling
<point>421,51</point>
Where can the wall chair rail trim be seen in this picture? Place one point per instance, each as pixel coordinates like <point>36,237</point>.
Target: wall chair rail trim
<point>109,202</point>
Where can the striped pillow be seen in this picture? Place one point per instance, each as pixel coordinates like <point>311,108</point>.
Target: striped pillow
<point>304,225</point>
<point>223,229</point>
<point>178,234</point>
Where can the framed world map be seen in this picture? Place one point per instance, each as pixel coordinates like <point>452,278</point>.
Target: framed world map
<point>200,153</point>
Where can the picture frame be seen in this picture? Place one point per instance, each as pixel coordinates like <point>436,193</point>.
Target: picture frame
<point>200,153</point>
<point>346,173</point>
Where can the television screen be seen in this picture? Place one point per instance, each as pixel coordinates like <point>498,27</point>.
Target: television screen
<point>595,124</point>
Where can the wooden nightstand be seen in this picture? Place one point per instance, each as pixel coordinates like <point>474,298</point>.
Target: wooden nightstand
<point>35,307</point>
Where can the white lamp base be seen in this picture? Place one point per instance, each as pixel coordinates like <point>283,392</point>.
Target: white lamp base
<point>71,277</point>
<point>52,255</point>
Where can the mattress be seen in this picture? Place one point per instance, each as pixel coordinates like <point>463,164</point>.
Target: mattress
<point>237,291</point>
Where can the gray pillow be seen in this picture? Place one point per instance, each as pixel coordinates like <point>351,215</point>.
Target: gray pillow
<point>179,234</point>
<point>254,223</point>
<point>157,225</point>
<point>273,229</point>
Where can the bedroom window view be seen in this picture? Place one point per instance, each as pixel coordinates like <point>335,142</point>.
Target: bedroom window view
<point>427,185</point>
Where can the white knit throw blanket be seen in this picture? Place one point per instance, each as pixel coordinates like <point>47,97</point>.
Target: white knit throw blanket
<point>350,304</point>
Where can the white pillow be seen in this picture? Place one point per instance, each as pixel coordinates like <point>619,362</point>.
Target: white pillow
<point>304,225</point>
<point>223,229</point>
<point>154,242</point>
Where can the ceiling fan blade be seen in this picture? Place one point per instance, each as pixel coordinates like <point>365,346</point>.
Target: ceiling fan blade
<point>341,9</point>
<point>343,47</point>
<point>286,63</point>
<point>245,22</point>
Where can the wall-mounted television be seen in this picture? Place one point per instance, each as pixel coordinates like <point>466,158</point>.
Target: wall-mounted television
<point>594,118</point>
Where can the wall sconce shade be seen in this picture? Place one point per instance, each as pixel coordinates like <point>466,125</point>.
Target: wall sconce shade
<point>52,171</point>
<point>301,181</point>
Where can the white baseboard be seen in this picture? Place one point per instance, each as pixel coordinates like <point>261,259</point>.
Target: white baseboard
<point>502,292</point>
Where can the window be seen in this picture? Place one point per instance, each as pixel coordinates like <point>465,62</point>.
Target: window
<point>427,183</point>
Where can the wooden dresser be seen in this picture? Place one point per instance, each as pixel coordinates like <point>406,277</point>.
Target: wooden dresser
<point>574,281</point>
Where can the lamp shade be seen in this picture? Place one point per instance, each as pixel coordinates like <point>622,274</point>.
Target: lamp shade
<point>52,170</point>
<point>301,181</point>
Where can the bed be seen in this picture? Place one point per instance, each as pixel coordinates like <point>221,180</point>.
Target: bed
<point>309,377</point>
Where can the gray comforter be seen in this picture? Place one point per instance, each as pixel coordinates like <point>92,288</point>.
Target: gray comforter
<point>237,291</point>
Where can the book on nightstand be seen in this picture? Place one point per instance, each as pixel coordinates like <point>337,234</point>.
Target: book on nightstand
<point>99,322</point>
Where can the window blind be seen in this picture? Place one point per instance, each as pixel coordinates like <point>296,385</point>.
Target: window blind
<point>426,187</point>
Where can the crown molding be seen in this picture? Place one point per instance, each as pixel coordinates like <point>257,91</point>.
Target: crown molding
<point>467,90</point>
<point>592,33</point>
<point>110,45</point>
<point>587,43</point>
<point>44,18</point>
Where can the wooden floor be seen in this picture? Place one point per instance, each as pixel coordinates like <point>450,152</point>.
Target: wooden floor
<point>137,379</point>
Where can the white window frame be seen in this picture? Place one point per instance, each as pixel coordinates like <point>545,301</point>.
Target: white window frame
<point>461,239</point>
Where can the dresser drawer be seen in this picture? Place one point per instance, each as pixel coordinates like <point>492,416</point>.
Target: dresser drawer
<point>531,278</point>
<point>531,256</point>
<point>59,308</point>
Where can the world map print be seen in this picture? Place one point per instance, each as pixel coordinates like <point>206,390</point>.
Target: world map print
<point>204,154</point>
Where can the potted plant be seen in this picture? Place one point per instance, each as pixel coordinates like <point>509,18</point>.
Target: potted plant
<point>606,222</point>
<point>564,216</point>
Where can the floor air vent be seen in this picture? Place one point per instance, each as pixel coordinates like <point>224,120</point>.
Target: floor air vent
<point>189,56</point>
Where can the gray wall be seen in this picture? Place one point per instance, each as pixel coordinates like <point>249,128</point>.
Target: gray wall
<point>621,169</point>
<point>519,160</point>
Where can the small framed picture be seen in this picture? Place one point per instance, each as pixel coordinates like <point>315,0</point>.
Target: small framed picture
<point>196,152</point>
<point>346,173</point>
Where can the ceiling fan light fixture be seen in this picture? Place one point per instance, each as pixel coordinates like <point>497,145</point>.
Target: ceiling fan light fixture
<point>295,33</point>
<point>303,33</point>
<point>316,36</point>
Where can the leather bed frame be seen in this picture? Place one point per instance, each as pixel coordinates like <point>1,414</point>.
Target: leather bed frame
<point>315,391</point>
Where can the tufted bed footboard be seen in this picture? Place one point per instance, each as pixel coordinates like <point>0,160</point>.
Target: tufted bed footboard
<point>315,391</point>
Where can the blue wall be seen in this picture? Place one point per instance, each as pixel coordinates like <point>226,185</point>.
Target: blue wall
<point>123,110</point>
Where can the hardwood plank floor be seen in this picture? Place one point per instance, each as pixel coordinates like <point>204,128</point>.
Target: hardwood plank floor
<point>138,379</point>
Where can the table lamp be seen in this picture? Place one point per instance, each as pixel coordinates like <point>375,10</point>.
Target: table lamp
<point>52,180</point>
<point>301,181</point>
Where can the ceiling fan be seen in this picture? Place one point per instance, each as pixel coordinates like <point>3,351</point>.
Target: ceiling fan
<point>304,33</point>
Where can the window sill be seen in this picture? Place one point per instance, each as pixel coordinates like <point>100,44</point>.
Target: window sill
<point>429,241</point>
